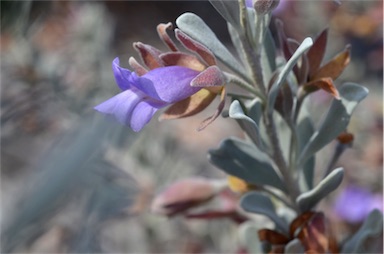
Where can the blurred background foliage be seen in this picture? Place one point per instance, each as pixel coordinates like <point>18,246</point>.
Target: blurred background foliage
<point>74,181</point>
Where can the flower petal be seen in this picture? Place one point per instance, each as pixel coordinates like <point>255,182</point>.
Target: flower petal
<point>190,106</point>
<point>168,84</point>
<point>121,75</point>
<point>142,114</point>
<point>121,105</point>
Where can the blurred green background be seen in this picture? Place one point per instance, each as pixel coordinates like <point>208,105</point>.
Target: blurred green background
<point>73,181</point>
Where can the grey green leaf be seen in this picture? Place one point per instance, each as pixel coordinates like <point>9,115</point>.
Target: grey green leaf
<point>368,239</point>
<point>304,46</point>
<point>305,130</point>
<point>195,27</point>
<point>268,56</point>
<point>245,161</point>
<point>236,40</point>
<point>255,202</point>
<point>246,123</point>
<point>306,201</point>
<point>336,120</point>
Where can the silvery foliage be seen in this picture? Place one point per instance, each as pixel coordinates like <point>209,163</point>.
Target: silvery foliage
<point>280,160</point>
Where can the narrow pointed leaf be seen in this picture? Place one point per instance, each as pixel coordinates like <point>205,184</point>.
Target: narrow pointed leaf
<point>246,162</point>
<point>305,130</point>
<point>268,56</point>
<point>370,231</point>
<point>255,202</point>
<point>326,84</point>
<point>283,40</point>
<point>138,68</point>
<point>149,55</point>
<point>308,200</point>
<point>336,120</point>
<point>284,102</point>
<point>316,53</point>
<point>233,32</point>
<point>246,123</point>
<point>293,45</point>
<point>335,67</point>
<point>162,31</point>
<point>217,112</point>
<point>305,45</point>
<point>195,27</point>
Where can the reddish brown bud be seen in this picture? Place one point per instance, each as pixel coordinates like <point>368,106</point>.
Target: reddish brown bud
<point>185,194</point>
<point>345,138</point>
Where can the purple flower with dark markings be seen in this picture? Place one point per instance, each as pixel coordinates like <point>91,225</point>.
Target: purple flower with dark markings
<point>187,83</point>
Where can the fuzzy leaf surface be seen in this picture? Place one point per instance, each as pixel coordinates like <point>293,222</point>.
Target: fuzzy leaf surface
<point>195,27</point>
<point>245,161</point>
<point>305,130</point>
<point>304,46</point>
<point>255,202</point>
<point>336,120</point>
<point>308,200</point>
<point>246,123</point>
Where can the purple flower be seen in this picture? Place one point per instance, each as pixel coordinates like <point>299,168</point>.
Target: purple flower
<point>142,96</point>
<point>184,81</point>
<point>355,203</point>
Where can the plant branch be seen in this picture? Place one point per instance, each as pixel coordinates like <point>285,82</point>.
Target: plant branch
<point>277,156</point>
<point>241,83</point>
<point>283,200</point>
<point>252,57</point>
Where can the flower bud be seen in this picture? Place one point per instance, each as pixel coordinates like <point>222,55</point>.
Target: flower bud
<point>238,185</point>
<point>345,138</point>
<point>185,194</point>
<point>262,7</point>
